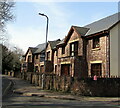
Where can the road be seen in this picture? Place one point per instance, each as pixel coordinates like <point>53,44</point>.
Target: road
<point>26,95</point>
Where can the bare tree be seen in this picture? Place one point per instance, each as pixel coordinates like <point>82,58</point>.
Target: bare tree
<point>6,15</point>
<point>5,12</point>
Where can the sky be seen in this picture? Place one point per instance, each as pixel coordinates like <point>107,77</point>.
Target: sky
<point>29,29</point>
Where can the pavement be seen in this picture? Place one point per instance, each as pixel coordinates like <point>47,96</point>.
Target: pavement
<point>25,89</point>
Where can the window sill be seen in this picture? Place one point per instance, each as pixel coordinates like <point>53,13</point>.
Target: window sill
<point>95,49</point>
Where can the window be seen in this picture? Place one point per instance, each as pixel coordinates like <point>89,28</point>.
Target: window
<point>74,49</point>
<point>96,69</point>
<point>96,42</point>
<point>63,50</point>
<point>48,55</point>
<point>55,69</point>
<point>42,57</point>
<point>37,56</point>
<point>36,69</point>
<point>56,52</point>
<point>29,59</point>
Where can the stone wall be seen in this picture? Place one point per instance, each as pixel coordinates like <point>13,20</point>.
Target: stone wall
<point>75,85</point>
<point>97,55</point>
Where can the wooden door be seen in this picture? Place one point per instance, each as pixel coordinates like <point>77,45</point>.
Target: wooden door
<point>65,69</point>
<point>96,69</point>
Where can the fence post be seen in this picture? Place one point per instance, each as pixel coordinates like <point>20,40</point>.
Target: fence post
<point>43,81</point>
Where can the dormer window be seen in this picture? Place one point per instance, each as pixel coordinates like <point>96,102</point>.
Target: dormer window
<point>96,42</point>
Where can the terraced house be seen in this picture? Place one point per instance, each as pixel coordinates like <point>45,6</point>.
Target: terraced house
<point>71,57</point>
<point>85,51</point>
<point>102,46</point>
<point>91,50</point>
<point>34,59</point>
<point>51,56</point>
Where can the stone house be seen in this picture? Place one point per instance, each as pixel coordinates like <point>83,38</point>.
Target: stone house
<point>28,62</point>
<point>71,57</point>
<point>90,50</point>
<point>102,46</point>
<point>39,58</point>
<point>51,58</point>
<point>85,51</point>
<point>34,59</point>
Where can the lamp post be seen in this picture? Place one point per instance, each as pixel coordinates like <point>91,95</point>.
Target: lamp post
<point>46,27</point>
<point>43,76</point>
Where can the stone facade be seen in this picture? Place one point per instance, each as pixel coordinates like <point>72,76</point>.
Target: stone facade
<point>85,51</point>
<point>28,61</point>
<point>32,61</point>
<point>97,55</point>
<point>75,85</point>
<point>51,56</point>
<point>76,64</point>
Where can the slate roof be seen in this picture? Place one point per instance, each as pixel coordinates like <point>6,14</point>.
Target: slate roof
<point>103,24</point>
<point>40,48</point>
<point>33,49</point>
<point>95,27</point>
<point>54,43</point>
<point>61,42</point>
<point>81,30</point>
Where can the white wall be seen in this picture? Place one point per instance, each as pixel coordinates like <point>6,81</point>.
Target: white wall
<point>114,50</point>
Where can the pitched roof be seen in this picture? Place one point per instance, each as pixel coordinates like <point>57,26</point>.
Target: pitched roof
<point>61,42</point>
<point>40,47</point>
<point>33,49</point>
<point>81,30</point>
<point>103,24</point>
<point>54,43</point>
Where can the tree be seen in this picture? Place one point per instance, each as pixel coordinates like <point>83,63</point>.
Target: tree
<point>10,60</point>
<point>5,16</point>
<point>5,12</point>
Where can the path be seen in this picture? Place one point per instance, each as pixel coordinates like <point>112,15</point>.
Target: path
<point>25,95</point>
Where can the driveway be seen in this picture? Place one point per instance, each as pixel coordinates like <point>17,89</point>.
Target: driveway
<point>26,95</point>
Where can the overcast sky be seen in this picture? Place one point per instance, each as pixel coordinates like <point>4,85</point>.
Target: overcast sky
<point>28,29</point>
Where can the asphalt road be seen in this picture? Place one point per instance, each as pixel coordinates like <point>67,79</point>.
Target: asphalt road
<point>25,95</point>
<point>6,83</point>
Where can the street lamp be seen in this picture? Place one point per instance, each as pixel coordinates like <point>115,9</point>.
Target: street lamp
<point>46,33</point>
<point>46,28</point>
<point>45,48</point>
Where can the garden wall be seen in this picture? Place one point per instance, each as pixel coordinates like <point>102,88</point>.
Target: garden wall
<point>74,85</point>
